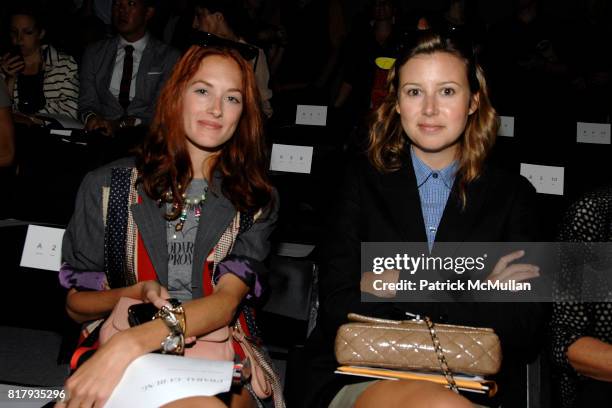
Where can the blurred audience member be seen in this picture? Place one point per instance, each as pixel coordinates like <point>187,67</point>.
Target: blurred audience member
<point>363,80</point>
<point>524,53</point>
<point>588,41</point>
<point>90,27</point>
<point>121,77</point>
<point>101,9</point>
<point>582,331</point>
<point>177,28</point>
<point>7,137</point>
<point>267,31</point>
<point>224,18</point>
<point>458,16</point>
<point>7,147</point>
<point>39,77</point>
<point>316,31</point>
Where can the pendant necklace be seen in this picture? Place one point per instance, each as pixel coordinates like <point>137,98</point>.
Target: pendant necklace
<point>189,204</point>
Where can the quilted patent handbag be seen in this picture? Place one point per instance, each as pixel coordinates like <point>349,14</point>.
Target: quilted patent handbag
<point>418,345</point>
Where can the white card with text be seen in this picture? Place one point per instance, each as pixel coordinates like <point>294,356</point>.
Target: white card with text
<point>153,380</point>
<point>545,179</point>
<point>42,248</point>
<point>506,126</point>
<point>311,115</point>
<point>597,133</point>
<point>290,158</point>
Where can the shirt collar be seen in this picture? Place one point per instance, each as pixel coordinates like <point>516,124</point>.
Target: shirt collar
<point>423,171</point>
<point>139,45</point>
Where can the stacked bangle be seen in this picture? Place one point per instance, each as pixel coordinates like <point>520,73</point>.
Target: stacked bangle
<point>174,318</point>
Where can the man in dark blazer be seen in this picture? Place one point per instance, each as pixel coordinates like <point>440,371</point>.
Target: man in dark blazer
<point>115,94</point>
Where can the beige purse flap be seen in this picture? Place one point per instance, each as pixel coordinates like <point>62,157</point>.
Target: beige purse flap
<point>408,345</point>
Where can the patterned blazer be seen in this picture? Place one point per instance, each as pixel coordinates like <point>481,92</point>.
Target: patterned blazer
<point>83,243</point>
<point>226,241</point>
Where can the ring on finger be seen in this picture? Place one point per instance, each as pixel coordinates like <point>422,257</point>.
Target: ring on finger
<point>64,396</point>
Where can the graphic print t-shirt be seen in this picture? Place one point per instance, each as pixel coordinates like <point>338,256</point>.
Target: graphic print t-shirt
<point>180,249</point>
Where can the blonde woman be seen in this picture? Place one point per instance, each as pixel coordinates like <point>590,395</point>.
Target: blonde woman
<point>425,180</point>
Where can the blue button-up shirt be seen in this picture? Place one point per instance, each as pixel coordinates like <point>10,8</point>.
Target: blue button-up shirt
<point>434,188</point>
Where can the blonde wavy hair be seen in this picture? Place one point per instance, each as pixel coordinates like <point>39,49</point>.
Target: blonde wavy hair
<point>387,139</point>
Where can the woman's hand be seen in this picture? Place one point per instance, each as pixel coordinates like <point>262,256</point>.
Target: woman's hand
<point>93,383</point>
<point>152,292</point>
<point>388,276</point>
<point>106,127</point>
<point>11,65</point>
<point>505,271</point>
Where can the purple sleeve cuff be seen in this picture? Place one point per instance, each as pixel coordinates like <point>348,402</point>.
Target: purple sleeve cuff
<point>69,278</point>
<point>250,271</point>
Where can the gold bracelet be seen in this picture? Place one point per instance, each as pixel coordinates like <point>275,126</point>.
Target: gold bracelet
<point>179,312</point>
<point>173,344</point>
<point>174,318</point>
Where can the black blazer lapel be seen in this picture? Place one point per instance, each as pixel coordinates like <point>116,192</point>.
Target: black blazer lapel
<point>456,222</point>
<point>149,218</point>
<point>401,197</point>
<point>217,213</point>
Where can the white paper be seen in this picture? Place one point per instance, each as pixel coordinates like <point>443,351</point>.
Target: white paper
<point>598,133</point>
<point>61,132</point>
<point>506,126</point>
<point>289,158</point>
<point>545,179</point>
<point>66,121</point>
<point>153,380</point>
<point>42,248</point>
<point>311,115</point>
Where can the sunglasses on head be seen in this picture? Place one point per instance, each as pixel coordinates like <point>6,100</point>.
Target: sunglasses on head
<point>206,39</point>
<point>410,38</point>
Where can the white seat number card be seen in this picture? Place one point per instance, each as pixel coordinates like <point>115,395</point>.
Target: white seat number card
<point>290,158</point>
<point>42,248</point>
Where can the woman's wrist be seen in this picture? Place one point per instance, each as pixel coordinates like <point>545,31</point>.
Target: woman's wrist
<point>142,339</point>
<point>145,338</point>
<point>135,291</point>
<point>129,343</point>
<point>132,291</point>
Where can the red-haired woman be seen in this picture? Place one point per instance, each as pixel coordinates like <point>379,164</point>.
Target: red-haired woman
<point>189,218</point>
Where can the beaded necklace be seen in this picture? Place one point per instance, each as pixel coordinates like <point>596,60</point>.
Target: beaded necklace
<point>193,203</point>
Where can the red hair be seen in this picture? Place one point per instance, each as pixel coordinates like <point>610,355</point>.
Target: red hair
<point>164,162</point>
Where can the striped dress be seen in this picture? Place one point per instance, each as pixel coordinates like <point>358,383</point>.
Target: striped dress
<point>60,84</point>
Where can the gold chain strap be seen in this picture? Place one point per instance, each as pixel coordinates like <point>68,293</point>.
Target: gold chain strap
<point>440,354</point>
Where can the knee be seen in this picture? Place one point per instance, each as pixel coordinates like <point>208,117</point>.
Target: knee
<point>196,402</point>
<point>415,394</point>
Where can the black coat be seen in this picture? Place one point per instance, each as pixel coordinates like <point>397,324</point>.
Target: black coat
<point>386,208</point>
